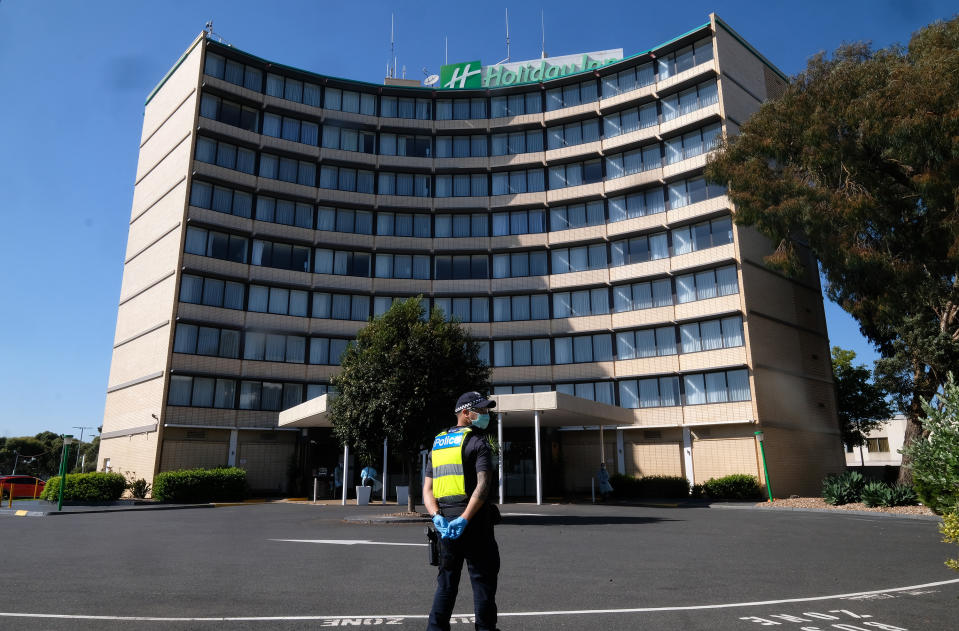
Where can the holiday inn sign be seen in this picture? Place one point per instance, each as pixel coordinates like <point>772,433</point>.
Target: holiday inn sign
<point>472,75</point>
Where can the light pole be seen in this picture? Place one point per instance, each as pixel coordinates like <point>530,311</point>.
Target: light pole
<point>79,443</point>
<point>67,439</point>
<point>762,450</point>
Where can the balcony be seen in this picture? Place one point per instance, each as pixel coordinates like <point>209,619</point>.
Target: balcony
<point>614,143</point>
<point>647,366</point>
<point>641,94</point>
<point>579,279</point>
<point>575,192</point>
<point>636,224</point>
<point>618,184</point>
<point>638,271</point>
<point>696,73</point>
<point>702,258</point>
<point>690,119</point>
<point>704,208</point>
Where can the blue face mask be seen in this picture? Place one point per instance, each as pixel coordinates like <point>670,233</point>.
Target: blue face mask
<point>481,422</point>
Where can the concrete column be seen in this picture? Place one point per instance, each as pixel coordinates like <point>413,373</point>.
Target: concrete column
<point>620,453</point>
<point>539,464</point>
<point>231,461</point>
<point>688,455</point>
<point>499,438</point>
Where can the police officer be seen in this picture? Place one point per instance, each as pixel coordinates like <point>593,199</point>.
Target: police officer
<point>458,478</point>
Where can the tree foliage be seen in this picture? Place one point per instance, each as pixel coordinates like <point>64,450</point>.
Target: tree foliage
<point>400,381</point>
<point>935,458</point>
<point>859,160</point>
<point>40,455</point>
<point>860,404</point>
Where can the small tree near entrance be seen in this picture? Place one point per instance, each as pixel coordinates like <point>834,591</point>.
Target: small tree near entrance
<point>400,381</point>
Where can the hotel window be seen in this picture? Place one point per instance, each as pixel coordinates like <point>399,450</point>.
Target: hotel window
<point>690,100</point>
<point>348,139</point>
<point>519,264</point>
<point>344,220</point>
<point>648,295</point>
<point>284,211</point>
<point>572,134</point>
<point>278,300</point>
<point>228,112</point>
<point>344,179</point>
<point>520,308</point>
<point>457,226</point>
<point>636,161</point>
<point>513,182</point>
<point>691,144</point>
<point>877,445</point>
<point>402,266</point>
<point>225,155</point>
<point>205,340</point>
<point>601,391</point>
<point>466,185</point>
<point>234,72</point>
<point>693,190</point>
<point>706,284</point>
<point>716,387</point>
<point>461,267</point>
<point>218,245</point>
<point>516,104</point>
<point>658,342</point>
<point>402,225</point>
<point>327,351</point>
<point>521,352</point>
<point>287,170</point>
<point>519,222</point>
<point>292,90</point>
<point>349,101</point>
<point>584,348</point>
<point>211,292</point>
<point>579,259</point>
<point>202,392</point>
<point>649,393</point>
<point>628,80</point>
<point>280,255</point>
<point>405,184</point>
<point>577,216</point>
<point>684,58</point>
<point>639,249</point>
<point>639,204</point>
<point>571,95</point>
<point>460,109</point>
<point>221,199</point>
<point>328,306</point>
<point>274,347</point>
<point>706,234</point>
<point>405,145</point>
<point>341,263</point>
<point>382,304</point>
<point>576,174</point>
<point>461,146</point>
<point>395,107</point>
<point>711,334</point>
<point>291,129</point>
<point>269,396</point>
<point>630,120</point>
<point>464,309</point>
<point>585,302</point>
<point>523,388</point>
<point>517,142</point>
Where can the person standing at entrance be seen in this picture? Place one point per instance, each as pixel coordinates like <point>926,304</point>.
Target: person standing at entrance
<point>459,474</point>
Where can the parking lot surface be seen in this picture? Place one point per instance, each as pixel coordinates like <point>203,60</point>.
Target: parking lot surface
<point>298,566</point>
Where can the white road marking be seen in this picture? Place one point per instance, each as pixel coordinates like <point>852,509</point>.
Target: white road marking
<point>577,612</point>
<point>350,542</point>
<point>521,515</point>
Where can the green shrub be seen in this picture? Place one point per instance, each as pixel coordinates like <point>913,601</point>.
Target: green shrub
<point>624,486</point>
<point>950,533</point>
<point>663,487</point>
<point>875,493</point>
<point>200,485</point>
<point>901,495</point>
<point>138,488</point>
<point>698,492</point>
<point>935,459</point>
<point>86,487</point>
<point>737,486</point>
<point>845,488</point>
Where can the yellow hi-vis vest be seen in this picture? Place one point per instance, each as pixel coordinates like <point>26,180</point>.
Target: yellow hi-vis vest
<point>449,483</point>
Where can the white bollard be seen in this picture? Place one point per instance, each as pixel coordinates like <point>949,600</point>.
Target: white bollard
<point>315,483</point>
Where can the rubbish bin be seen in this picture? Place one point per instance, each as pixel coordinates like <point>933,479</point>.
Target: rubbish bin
<point>402,495</point>
<point>363,495</point>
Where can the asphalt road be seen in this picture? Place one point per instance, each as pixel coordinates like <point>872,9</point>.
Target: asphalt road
<point>275,566</point>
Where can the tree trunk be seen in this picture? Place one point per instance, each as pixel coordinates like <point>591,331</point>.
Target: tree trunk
<point>914,432</point>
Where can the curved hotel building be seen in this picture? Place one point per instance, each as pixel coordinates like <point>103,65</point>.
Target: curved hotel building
<point>556,207</point>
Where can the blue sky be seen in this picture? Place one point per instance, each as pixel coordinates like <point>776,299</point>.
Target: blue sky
<point>76,74</point>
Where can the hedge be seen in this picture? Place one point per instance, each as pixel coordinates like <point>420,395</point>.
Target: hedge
<point>86,487</point>
<point>649,487</point>
<point>737,486</point>
<point>200,485</point>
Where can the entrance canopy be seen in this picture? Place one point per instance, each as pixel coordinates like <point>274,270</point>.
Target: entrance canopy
<point>313,413</point>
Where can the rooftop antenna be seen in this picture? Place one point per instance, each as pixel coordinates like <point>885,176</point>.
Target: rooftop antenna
<point>391,65</point>
<point>446,50</point>
<point>542,28</point>
<point>208,29</point>
<point>507,40</point>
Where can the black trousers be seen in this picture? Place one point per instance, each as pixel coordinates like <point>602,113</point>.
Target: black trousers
<point>478,548</point>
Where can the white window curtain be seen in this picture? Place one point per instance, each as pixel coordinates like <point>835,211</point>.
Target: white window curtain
<point>738,381</point>
<point>695,389</point>
<point>322,305</point>
<point>665,341</point>
<point>727,280</point>
<point>564,350</point>
<point>711,334</point>
<point>642,296</point>
<point>259,298</point>
<point>732,331</point>
<point>689,338</point>
<point>628,394</point>
<point>649,393</point>
<point>716,387</point>
<point>319,350</point>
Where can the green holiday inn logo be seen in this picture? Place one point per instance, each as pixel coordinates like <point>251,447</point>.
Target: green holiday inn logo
<point>463,75</point>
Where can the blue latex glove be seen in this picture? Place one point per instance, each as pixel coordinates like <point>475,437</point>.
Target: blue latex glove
<point>441,524</point>
<point>456,528</point>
